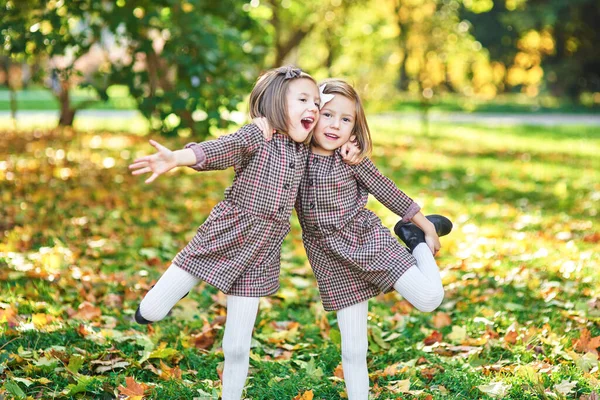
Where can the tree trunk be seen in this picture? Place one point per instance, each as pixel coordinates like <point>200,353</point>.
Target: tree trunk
<point>67,114</point>
<point>402,83</point>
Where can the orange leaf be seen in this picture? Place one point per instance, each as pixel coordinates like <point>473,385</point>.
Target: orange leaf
<point>511,337</point>
<point>87,311</point>
<point>169,373</point>
<point>402,307</point>
<point>203,340</point>
<point>587,344</point>
<point>391,370</point>
<point>441,320</point>
<point>308,395</point>
<point>429,373</point>
<point>132,389</point>
<point>9,315</point>
<point>339,371</point>
<point>433,338</point>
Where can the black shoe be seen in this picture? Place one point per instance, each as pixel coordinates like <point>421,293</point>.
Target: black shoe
<point>139,319</point>
<point>412,235</point>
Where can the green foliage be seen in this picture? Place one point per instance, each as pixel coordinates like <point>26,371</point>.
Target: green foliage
<point>187,65</point>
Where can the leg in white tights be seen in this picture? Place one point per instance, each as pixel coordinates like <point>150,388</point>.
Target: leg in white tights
<point>170,288</point>
<point>241,315</point>
<point>355,343</point>
<point>422,286</point>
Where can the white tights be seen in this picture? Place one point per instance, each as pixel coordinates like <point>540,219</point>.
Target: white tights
<point>421,286</point>
<point>241,315</point>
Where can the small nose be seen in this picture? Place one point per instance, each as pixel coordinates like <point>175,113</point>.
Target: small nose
<point>335,123</point>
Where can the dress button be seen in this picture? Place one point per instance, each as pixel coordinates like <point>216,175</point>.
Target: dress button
<point>311,182</point>
<point>312,206</point>
<point>281,209</point>
<point>286,186</point>
<point>290,144</point>
<point>315,160</point>
<point>292,165</point>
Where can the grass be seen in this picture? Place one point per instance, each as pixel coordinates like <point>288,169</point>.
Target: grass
<point>81,241</point>
<point>39,98</point>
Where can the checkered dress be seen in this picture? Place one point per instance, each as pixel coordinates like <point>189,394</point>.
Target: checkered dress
<point>354,257</point>
<point>237,249</point>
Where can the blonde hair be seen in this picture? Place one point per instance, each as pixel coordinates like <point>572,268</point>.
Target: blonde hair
<point>268,97</point>
<point>361,127</point>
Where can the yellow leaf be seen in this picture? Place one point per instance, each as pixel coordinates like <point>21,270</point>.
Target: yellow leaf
<point>39,320</point>
<point>308,395</point>
<point>458,334</point>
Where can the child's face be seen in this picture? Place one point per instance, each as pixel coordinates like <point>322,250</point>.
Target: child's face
<point>302,107</point>
<point>335,125</point>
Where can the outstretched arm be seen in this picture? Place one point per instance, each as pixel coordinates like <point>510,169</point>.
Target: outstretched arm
<point>226,151</point>
<point>162,161</point>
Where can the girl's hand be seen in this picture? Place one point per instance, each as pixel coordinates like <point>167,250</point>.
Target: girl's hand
<point>264,126</point>
<point>350,152</point>
<point>162,161</point>
<point>433,241</point>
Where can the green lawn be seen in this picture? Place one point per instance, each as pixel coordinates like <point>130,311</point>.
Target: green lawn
<point>81,241</point>
<point>42,99</point>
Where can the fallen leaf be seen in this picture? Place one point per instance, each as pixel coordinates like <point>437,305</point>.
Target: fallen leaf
<point>458,334</point>
<point>587,344</point>
<point>168,373</point>
<point>565,387</point>
<point>429,373</point>
<point>308,395</point>
<point>10,316</point>
<point>203,340</point>
<point>441,319</point>
<point>132,389</point>
<point>339,371</point>
<point>87,311</point>
<point>391,370</point>
<point>433,338</point>
<point>591,396</point>
<point>495,389</point>
<point>402,386</point>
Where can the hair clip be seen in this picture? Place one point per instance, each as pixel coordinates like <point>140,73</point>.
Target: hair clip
<point>289,72</point>
<point>325,97</point>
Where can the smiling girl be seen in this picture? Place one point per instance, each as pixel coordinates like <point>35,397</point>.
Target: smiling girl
<point>237,249</point>
<point>353,256</point>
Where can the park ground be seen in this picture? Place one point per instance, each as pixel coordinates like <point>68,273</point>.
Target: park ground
<point>81,241</point>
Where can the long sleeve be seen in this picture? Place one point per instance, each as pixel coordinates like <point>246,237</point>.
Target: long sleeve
<point>227,151</point>
<point>384,190</point>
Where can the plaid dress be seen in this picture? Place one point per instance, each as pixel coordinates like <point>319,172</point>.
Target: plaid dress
<point>354,257</point>
<point>237,249</point>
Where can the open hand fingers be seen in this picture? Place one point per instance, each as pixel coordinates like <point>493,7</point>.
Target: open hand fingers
<point>141,159</point>
<point>152,178</point>
<point>158,146</point>
<point>138,164</point>
<point>141,171</point>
